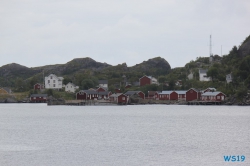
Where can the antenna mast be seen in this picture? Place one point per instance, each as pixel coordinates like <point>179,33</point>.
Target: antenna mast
<point>210,45</point>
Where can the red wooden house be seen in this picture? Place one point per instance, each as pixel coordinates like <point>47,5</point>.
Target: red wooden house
<point>104,95</point>
<point>181,95</point>
<point>139,93</point>
<point>147,80</point>
<point>209,90</point>
<point>128,86</point>
<point>151,94</point>
<point>156,95</point>
<point>101,89</point>
<point>87,95</point>
<point>193,94</point>
<point>38,86</point>
<point>213,96</point>
<point>168,95</point>
<point>38,98</point>
<point>117,90</point>
<point>119,98</point>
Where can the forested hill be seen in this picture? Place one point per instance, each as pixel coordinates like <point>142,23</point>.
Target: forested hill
<point>79,69</point>
<point>236,62</point>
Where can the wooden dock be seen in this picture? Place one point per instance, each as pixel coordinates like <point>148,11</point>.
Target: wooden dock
<point>204,102</point>
<point>87,102</point>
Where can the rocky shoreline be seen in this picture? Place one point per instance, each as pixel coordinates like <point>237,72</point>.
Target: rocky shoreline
<point>60,101</point>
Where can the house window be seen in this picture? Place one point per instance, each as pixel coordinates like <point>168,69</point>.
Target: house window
<point>218,97</point>
<point>54,81</point>
<point>50,77</point>
<point>48,81</point>
<point>123,98</point>
<point>54,85</point>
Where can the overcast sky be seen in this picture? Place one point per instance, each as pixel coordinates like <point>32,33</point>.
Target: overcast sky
<point>42,32</point>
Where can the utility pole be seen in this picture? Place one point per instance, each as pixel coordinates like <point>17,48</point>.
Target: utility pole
<point>43,80</point>
<point>210,46</point>
<point>221,51</point>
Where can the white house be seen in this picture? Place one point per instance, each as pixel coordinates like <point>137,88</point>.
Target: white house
<point>229,78</point>
<point>53,82</point>
<point>70,87</point>
<point>203,75</point>
<point>103,83</point>
<point>191,76</point>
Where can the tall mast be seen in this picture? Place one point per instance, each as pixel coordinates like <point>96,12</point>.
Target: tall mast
<point>210,46</point>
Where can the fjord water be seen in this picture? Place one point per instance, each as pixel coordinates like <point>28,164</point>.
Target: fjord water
<point>37,134</point>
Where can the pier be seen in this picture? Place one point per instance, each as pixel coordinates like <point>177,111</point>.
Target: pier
<point>204,102</point>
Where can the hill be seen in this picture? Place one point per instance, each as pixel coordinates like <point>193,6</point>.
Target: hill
<point>76,70</point>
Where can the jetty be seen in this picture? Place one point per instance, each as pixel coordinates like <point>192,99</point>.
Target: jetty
<point>204,102</point>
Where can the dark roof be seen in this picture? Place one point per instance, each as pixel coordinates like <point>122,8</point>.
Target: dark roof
<point>38,95</point>
<point>103,88</point>
<point>103,81</point>
<point>129,93</point>
<point>136,83</point>
<point>211,93</point>
<point>181,92</point>
<point>204,71</point>
<point>103,93</point>
<point>116,94</point>
<point>152,92</point>
<point>197,90</point>
<point>88,91</point>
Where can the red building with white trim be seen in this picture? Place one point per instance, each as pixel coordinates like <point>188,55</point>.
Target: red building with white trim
<point>119,98</point>
<point>193,94</point>
<point>168,95</point>
<point>38,98</point>
<point>139,93</point>
<point>38,86</point>
<point>147,80</point>
<point>213,96</point>
<point>87,95</point>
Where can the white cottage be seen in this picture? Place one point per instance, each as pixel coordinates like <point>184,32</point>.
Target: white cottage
<point>70,87</point>
<point>203,75</point>
<point>229,78</point>
<point>103,83</point>
<point>53,82</point>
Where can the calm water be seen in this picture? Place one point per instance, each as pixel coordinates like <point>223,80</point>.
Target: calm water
<point>36,134</point>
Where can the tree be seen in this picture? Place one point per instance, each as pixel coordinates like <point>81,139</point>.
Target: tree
<point>87,83</point>
<point>213,73</point>
<point>162,79</point>
<point>66,80</point>
<point>20,85</point>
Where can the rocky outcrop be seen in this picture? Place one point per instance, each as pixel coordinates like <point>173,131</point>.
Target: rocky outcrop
<point>154,66</point>
<point>8,100</point>
<point>244,49</point>
<point>53,101</point>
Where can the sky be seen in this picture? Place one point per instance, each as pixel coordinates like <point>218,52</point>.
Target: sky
<point>44,32</point>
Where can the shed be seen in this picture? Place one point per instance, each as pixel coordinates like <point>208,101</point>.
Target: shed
<point>38,98</point>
